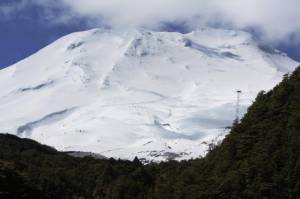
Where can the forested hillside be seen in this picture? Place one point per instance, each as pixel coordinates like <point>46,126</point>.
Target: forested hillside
<point>259,159</point>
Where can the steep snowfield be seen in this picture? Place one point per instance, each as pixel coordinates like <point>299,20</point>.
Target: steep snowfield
<point>154,95</point>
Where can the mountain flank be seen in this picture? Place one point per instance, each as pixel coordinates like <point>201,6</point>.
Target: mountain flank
<point>258,159</point>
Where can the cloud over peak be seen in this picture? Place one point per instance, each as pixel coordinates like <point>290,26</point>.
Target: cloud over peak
<point>276,19</point>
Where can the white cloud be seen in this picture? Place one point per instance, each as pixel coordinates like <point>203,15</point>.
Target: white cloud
<point>275,18</point>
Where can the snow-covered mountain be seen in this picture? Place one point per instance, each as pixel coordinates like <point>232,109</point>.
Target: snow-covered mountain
<point>155,95</point>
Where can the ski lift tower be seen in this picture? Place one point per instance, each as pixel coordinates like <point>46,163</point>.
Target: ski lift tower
<point>237,111</point>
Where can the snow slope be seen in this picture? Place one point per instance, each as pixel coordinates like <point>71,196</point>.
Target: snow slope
<point>155,95</point>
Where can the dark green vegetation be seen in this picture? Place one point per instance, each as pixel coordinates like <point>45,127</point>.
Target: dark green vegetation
<point>259,159</point>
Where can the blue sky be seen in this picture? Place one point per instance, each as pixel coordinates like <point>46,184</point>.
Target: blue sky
<point>23,33</point>
<point>20,39</point>
<point>27,26</point>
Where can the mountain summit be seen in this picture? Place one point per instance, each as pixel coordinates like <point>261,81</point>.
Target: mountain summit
<point>155,95</point>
